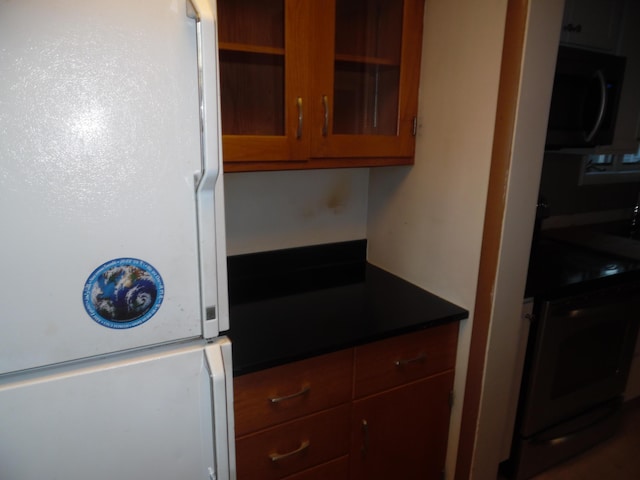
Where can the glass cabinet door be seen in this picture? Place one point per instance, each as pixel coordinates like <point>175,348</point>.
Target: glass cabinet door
<point>261,94</point>
<point>318,83</point>
<point>366,76</point>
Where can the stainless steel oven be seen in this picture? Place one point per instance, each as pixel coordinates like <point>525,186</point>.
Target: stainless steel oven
<point>578,360</point>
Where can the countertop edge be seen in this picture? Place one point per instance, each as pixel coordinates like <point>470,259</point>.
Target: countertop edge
<point>355,342</point>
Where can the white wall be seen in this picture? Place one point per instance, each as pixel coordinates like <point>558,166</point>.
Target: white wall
<point>274,210</point>
<point>521,191</point>
<point>426,222</point>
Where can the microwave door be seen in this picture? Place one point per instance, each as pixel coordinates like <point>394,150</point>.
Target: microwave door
<point>584,102</point>
<point>578,110</point>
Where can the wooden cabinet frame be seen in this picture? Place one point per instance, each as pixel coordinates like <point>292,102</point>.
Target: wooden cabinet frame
<point>307,141</point>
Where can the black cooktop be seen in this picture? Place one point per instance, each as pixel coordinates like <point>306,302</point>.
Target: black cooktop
<point>560,268</point>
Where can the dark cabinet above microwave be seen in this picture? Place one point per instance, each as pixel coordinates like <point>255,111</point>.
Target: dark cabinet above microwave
<point>584,102</point>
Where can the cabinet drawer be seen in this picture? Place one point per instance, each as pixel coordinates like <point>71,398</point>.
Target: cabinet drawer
<point>388,363</point>
<point>293,446</point>
<point>283,393</point>
<point>337,469</point>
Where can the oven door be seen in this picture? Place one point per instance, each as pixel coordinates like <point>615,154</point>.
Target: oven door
<point>581,355</point>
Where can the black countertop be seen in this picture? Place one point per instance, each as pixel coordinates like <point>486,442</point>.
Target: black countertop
<point>566,262</point>
<point>297,303</point>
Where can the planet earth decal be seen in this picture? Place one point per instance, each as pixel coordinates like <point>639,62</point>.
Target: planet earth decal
<point>123,293</point>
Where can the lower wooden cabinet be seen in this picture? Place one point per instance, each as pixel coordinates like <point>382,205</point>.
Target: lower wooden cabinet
<point>276,395</point>
<point>337,469</point>
<point>378,411</point>
<point>402,433</point>
<point>293,446</point>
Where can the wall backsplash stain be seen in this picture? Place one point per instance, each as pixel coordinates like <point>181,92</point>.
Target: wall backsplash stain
<point>275,210</point>
<point>339,195</point>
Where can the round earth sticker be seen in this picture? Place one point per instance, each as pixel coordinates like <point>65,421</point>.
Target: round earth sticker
<point>123,293</point>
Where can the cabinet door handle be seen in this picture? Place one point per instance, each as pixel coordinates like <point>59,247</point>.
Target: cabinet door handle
<point>570,27</point>
<point>299,105</point>
<point>403,362</point>
<point>304,390</point>
<point>325,124</point>
<point>365,437</point>
<point>276,457</point>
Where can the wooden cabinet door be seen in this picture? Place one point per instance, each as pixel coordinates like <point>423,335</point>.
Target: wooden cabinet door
<point>337,469</point>
<point>318,83</point>
<point>627,135</point>
<point>592,24</point>
<point>264,72</point>
<point>402,433</point>
<point>366,61</point>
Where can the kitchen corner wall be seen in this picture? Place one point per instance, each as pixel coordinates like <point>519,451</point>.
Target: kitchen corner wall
<point>275,210</point>
<point>426,222</point>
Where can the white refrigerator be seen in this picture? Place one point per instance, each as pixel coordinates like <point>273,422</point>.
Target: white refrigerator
<point>113,292</point>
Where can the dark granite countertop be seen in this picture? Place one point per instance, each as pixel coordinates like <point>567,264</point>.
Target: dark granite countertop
<point>293,304</point>
<point>570,261</point>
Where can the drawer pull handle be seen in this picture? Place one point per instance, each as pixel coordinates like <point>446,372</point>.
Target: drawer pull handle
<point>419,359</point>
<point>304,390</point>
<point>325,109</point>
<point>300,118</point>
<point>276,457</point>
<point>365,438</point>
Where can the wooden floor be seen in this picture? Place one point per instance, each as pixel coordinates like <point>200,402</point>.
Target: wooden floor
<point>615,459</point>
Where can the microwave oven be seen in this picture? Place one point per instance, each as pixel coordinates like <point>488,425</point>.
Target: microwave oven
<point>584,102</point>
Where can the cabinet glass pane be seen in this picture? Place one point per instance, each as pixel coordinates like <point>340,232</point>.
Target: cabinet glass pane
<point>367,66</point>
<point>252,66</point>
<point>251,22</point>
<point>251,93</point>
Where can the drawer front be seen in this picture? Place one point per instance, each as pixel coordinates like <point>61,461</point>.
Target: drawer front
<point>394,361</point>
<point>293,446</point>
<point>290,391</point>
<point>337,469</point>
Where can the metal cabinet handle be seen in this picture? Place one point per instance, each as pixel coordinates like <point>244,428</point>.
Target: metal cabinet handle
<point>419,359</point>
<point>570,27</point>
<point>325,124</point>
<point>304,390</point>
<point>601,416</point>
<point>299,105</point>
<point>365,437</point>
<point>276,457</point>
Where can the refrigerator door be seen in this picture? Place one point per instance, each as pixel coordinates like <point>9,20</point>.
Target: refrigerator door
<point>147,417</point>
<point>101,169</point>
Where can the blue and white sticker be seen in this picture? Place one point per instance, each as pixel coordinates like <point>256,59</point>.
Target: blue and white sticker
<point>123,293</point>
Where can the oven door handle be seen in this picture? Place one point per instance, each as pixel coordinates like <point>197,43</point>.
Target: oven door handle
<point>557,440</point>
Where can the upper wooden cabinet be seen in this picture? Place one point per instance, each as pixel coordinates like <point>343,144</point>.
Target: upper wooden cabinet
<point>592,24</point>
<point>318,83</point>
